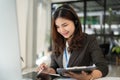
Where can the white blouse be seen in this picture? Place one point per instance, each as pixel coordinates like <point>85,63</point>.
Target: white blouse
<point>66,56</point>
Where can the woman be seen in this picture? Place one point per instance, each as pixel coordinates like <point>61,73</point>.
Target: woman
<point>72,47</point>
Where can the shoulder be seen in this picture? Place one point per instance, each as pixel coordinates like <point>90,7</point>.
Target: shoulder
<point>89,37</point>
<point>55,55</point>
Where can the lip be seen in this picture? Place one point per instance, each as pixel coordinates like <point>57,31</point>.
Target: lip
<point>65,34</point>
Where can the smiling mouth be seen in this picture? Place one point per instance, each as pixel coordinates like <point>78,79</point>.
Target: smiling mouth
<point>64,34</point>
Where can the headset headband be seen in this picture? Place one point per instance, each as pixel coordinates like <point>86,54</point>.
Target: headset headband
<point>63,8</point>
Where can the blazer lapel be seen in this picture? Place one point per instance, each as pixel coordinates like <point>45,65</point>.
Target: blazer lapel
<point>74,58</point>
<point>60,60</point>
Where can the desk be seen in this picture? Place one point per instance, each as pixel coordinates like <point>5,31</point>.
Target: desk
<point>109,78</point>
<point>105,78</point>
<point>33,76</point>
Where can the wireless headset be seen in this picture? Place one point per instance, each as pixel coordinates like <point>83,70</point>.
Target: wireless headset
<point>63,8</point>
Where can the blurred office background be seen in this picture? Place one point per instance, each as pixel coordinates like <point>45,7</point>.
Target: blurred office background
<point>98,17</point>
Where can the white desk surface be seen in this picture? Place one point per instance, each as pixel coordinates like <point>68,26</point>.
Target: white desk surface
<point>109,78</point>
<point>104,78</point>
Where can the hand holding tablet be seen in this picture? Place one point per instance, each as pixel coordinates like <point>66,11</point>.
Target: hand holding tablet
<point>87,69</point>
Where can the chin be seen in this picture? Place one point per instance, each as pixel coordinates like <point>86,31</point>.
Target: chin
<point>66,37</point>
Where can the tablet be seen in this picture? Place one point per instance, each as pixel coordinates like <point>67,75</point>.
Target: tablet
<point>87,69</point>
<point>47,76</point>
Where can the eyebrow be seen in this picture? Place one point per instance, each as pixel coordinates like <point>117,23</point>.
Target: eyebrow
<point>64,24</point>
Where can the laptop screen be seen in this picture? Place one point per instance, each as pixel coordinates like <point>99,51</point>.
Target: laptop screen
<point>10,68</point>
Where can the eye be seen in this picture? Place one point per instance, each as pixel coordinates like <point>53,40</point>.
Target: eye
<point>57,26</point>
<point>65,25</point>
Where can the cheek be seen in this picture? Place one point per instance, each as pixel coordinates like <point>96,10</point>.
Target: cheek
<point>67,28</point>
<point>58,30</point>
<point>72,30</point>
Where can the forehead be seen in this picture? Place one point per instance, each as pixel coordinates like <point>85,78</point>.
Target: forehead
<point>62,20</point>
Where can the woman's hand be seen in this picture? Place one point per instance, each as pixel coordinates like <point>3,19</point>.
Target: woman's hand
<point>82,76</point>
<point>44,68</point>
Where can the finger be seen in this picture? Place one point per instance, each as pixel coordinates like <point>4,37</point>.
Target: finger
<point>40,71</point>
<point>67,74</point>
<point>41,67</point>
<point>84,73</point>
<point>70,74</point>
<point>38,68</point>
<point>74,75</point>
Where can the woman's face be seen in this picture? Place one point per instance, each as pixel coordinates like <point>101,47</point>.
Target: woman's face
<point>65,27</point>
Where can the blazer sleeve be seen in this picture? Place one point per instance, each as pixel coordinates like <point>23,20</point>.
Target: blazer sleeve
<point>98,57</point>
<point>53,64</point>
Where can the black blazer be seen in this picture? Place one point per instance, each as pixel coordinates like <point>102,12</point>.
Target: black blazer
<point>88,55</point>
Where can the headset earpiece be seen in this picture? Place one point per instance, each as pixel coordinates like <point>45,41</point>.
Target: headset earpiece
<point>76,22</point>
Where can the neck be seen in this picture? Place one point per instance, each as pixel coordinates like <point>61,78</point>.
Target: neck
<point>69,39</point>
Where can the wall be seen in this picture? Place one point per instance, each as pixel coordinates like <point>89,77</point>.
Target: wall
<point>34,21</point>
<point>22,7</point>
<point>9,42</point>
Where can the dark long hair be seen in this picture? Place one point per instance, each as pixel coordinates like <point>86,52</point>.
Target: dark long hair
<point>67,12</point>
